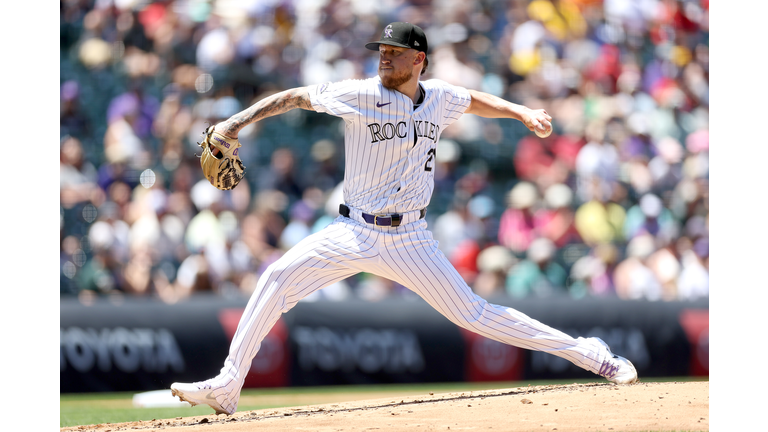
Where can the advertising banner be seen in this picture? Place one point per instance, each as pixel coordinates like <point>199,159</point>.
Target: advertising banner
<point>139,344</point>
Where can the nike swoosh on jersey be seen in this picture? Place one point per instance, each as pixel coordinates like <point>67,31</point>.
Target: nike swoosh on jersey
<point>379,104</point>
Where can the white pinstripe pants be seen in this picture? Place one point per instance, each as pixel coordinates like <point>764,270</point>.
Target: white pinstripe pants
<point>407,255</point>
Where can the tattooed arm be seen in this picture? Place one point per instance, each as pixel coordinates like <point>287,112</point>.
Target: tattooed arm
<point>273,105</point>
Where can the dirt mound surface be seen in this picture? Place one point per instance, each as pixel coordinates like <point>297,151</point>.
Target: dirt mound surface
<point>574,407</point>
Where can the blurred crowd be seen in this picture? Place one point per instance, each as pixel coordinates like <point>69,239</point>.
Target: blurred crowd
<point>613,203</point>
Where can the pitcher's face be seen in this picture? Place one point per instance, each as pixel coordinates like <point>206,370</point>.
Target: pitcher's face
<point>396,65</point>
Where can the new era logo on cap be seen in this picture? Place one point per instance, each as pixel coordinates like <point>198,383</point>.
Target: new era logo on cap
<point>401,34</point>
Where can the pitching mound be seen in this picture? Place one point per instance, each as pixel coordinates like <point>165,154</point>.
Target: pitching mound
<point>575,407</point>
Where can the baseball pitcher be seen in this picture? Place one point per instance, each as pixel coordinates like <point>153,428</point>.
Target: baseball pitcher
<point>393,127</point>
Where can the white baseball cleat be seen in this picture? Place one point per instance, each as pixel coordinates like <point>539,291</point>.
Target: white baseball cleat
<point>617,369</point>
<point>199,393</point>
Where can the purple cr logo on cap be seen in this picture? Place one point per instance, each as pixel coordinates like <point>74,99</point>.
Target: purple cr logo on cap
<point>388,31</point>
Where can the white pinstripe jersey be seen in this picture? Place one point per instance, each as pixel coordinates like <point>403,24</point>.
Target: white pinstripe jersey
<point>385,171</point>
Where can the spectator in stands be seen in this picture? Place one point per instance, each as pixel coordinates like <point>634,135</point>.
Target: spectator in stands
<point>651,217</point>
<point>546,161</point>
<point>493,264</point>
<point>538,275</point>
<point>72,119</point>
<point>597,164</point>
<point>77,177</point>
<point>456,226</point>
<point>633,278</point>
<point>282,175</point>
<point>556,219</point>
<point>517,227</point>
<point>325,171</point>
<point>693,281</point>
<point>600,220</point>
<point>665,265</point>
<point>447,173</point>
<point>483,208</point>
<point>102,273</point>
<point>302,215</point>
<point>192,277</point>
<point>592,274</point>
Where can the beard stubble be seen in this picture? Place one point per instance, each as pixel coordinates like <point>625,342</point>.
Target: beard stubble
<point>393,81</point>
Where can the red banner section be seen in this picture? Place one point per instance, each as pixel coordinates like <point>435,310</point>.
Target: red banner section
<point>695,323</point>
<point>272,364</point>
<point>488,360</point>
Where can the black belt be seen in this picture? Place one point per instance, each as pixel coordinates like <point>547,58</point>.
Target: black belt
<point>390,220</point>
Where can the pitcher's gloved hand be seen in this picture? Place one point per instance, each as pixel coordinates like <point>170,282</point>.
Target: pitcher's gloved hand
<point>220,162</point>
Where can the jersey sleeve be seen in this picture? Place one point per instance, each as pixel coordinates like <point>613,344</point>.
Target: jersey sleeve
<point>339,99</point>
<point>456,102</point>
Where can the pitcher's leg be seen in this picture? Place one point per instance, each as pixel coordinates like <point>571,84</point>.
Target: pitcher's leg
<point>285,284</point>
<point>314,263</point>
<point>414,261</point>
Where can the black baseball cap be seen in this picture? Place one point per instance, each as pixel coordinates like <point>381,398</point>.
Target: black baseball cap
<point>401,34</point>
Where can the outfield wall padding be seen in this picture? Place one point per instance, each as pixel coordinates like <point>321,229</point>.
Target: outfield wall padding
<point>141,344</point>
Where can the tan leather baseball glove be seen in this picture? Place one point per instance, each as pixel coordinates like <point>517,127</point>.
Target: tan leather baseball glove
<point>220,162</point>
